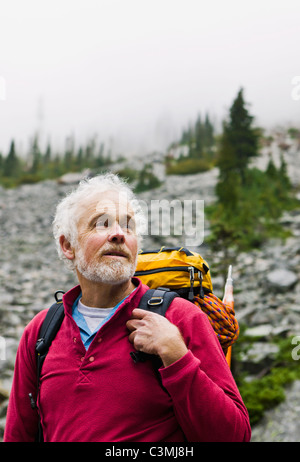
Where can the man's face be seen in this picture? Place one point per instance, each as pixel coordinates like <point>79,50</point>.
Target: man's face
<point>106,249</point>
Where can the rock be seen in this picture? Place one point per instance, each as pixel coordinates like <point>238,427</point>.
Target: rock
<point>282,280</point>
<point>282,423</point>
<point>74,178</point>
<point>259,356</point>
<point>262,331</point>
<point>241,315</point>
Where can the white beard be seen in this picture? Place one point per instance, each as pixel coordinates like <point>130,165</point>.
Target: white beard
<point>112,271</point>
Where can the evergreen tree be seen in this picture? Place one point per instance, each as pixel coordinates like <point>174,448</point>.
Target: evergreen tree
<point>79,159</point>
<point>147,179</point>
<point>100,161</point>
<point>89,155</point>
<point>227,188</point>
<point>209,132</point>
<point>283,173</point>
<point>11,164</point>
<point>271,170</point>
<point>250,201</point>
<point>199,138</point>
<point>47,156</point>
<point>36,156</point>
<point>233,219</point>
<point>242,139</point>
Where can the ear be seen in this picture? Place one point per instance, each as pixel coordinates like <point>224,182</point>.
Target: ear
<point>66,248</point>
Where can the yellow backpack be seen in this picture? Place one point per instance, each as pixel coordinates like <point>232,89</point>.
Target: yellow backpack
<point>187,273</point>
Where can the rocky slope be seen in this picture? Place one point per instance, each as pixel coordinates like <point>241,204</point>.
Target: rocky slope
<point>267,299</point>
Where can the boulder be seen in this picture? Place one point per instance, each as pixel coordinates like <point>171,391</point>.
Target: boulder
<point>262,331</point>
<point>282,279</point>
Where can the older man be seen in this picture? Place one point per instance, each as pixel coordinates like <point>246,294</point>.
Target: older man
<point>90,389</point>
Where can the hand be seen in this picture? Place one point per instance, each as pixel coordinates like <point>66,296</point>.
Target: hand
<point>155,334</point>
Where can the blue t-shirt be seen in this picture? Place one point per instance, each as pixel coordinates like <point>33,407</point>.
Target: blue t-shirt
<point>86,335</point>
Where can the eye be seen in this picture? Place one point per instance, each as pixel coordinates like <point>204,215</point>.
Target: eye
<point>128,223</point>
<point>102,222</point>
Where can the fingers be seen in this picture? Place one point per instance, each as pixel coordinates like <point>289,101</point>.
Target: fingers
<point>140,329</point>
<point>138,313</point>
<point>133,324</point>
<point>137,316</point>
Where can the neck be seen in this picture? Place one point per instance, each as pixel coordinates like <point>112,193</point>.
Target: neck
<point>100,295</point>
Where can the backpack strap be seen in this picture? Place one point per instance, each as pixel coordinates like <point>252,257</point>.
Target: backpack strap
<point>48,331</point>
<point>157,301</point>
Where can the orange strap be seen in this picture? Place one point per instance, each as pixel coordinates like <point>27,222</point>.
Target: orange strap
<point>228,355</point>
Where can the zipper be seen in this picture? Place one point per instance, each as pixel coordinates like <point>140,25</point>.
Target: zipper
<point>189,269</point>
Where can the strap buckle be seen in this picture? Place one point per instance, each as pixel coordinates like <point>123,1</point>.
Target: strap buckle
<point>155,301</point>
<point>158,296</point>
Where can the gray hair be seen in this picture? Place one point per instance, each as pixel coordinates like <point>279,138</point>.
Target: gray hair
<point>67,212</point>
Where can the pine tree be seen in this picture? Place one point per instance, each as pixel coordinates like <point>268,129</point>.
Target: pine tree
<point>199,138</point>
<point>242,138</point>
<point>283,172</point>
<point>209,132</point>
<point>100,161</point>
<point>79,159</point>
<point>36,156</point>
<point>11,164</point>
<point>271,170</point>
<point>47,156</point>
<point>237,145</point>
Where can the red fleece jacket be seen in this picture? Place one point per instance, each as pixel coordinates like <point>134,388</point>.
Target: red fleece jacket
<point>102,395</point>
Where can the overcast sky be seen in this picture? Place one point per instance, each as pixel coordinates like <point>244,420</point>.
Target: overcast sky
<point>136,72</point>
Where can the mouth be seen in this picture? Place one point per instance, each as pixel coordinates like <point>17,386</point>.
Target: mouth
<point>115,254</point>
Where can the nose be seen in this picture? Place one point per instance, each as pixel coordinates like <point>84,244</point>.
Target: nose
<point>116,234</point>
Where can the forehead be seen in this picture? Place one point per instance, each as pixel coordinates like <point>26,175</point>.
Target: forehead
<point>111,202</point>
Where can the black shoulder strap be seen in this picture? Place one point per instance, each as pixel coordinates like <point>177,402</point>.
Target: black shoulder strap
<point>48,331</point>
<point>157,301</point>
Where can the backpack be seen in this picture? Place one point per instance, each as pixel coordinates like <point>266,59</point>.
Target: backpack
<point>187,274</point>
<point>169,272</point>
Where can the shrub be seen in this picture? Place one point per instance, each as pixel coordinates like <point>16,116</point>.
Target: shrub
<point>187,166</point>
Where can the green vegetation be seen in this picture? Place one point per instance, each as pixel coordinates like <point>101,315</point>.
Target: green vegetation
<point>245,215</point>
<point>147,179</point>
<point>199,142</point>
<point>249,201</point>
<point>267,390</point>
<point>187,166</point>
<point>39,165</point>
<point>129,174</point>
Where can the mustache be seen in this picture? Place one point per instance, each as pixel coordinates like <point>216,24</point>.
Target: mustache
<point>118,249</point>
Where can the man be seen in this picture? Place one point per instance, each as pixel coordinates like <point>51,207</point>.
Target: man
<point>90,389</point>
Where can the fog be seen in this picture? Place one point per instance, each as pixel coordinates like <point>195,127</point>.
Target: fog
<point>135,73</point>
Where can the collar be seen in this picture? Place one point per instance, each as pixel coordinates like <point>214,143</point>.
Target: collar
<point>70,296</point>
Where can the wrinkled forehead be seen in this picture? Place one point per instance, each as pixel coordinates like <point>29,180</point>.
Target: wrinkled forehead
<point>114,203</point>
